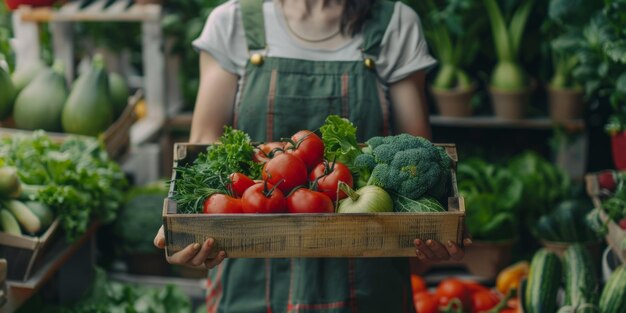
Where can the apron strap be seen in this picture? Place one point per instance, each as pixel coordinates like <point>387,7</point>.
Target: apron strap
<point>375,28</point>
<point>253,23</point>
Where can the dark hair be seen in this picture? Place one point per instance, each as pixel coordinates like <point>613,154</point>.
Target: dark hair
<point>355,14</point>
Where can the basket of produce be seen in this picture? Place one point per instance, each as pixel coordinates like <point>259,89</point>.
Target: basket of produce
<point>314,196</point>
<point>607,189</point>
<point>50,192</point>
<point>97,104</point>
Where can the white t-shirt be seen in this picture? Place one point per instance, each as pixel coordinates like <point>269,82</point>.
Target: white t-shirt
<point>403,48</point>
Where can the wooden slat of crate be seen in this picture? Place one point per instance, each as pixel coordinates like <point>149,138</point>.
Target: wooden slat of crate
<point>615,236</point>
<point>24,253</point>
<point>311,235</point>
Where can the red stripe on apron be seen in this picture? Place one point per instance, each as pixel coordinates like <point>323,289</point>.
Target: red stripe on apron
<point>345,79</point>
<point>352,285</point>
<point>384,108</point>
<point>238,103</point>
<point>269,130</point>
<point>268,285</point>
<point>290,307</point>
<point>215,293</point>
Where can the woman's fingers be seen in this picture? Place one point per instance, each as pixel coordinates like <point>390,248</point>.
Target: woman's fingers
<point>182,257</point>
<point>211,263</point>
<point>455,252</point>
<point>423,252</point>
<point>159,239</point>
<point>203,254</point>
<point>438,250</point>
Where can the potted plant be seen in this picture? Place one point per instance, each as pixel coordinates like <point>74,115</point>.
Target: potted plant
<point>564,26</point>
<point>565,95</point>
<point>602,68</point>
<point>616,127</point>
<point>510,87</point>
<point>451,29</point>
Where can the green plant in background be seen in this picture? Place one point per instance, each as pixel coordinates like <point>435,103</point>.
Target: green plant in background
<point>564,27</point>
<point>451,28</point>
<point>508,73</point>
<point>544,184</point>
<point>182,23</point>
<point>138,219</point>
<point>494,196</point>
<point>106,296</point>
<point>602,55</point>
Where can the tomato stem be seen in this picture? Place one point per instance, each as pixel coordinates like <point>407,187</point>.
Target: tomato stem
<point>454,306</point>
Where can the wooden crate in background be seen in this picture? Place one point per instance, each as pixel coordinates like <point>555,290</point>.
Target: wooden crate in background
<point>615,236</point>
<point>24,254</point>
<point>116,138</point>
<point>311,235</point>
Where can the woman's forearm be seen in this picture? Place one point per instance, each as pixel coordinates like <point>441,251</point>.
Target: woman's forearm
<point>214,103</point>
<point>410,106</point>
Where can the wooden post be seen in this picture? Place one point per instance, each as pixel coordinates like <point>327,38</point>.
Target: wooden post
<point>26,43</point>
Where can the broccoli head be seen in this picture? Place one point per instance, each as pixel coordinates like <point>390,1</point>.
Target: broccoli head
<point>407,165</point>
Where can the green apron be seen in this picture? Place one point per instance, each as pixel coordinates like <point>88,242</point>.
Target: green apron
<point>280,97</point>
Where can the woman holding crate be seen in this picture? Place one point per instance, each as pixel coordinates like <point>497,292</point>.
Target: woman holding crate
<point>273,67</point>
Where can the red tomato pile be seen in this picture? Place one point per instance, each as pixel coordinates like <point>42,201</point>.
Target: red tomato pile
<point>455,295</point>
<point>295,179</point>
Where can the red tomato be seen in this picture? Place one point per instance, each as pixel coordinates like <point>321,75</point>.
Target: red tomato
<point>222,204</point>
<point>607,180</point>
<point>474,287</point>
<point>451,288</point>
<point>622,223</point>
<point>287,171</point>
<point>417,283</point>
<point>265,151</point>
<point>263,198</point>
<point>484,300</point>
<point>308,201</point>
<point>328,176</point>
<point>425,302</point>
<point>238,184</point>
<point>308,146</point>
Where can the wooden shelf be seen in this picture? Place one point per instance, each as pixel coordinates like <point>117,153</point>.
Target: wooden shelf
<point>20,291</point>
<point>493,122</point>
<point>98,11</point>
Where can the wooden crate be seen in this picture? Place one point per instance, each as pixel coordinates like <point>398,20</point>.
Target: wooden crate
<point>116,138</point>
<point>311,235</point>
<point>24,254</point>
<point>615,236</point>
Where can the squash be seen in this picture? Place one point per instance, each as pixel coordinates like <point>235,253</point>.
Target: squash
<point>24,74</point>
<point>543,284</point>
<point>7,93</point>
<point>88,110</point>
<point>40,104</point>
<point>119,93</point>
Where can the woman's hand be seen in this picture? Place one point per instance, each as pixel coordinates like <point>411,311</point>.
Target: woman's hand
<point>194,255</point>
<point>432,251</point>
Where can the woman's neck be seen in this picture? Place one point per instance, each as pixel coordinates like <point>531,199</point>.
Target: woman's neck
<point>314,21</point>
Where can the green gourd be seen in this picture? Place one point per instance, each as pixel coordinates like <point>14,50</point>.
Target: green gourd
<point>119,93</point>
<point>88,110</point>
<point>7,94</point>
<point>40,104</point>
<point>24,74</point>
